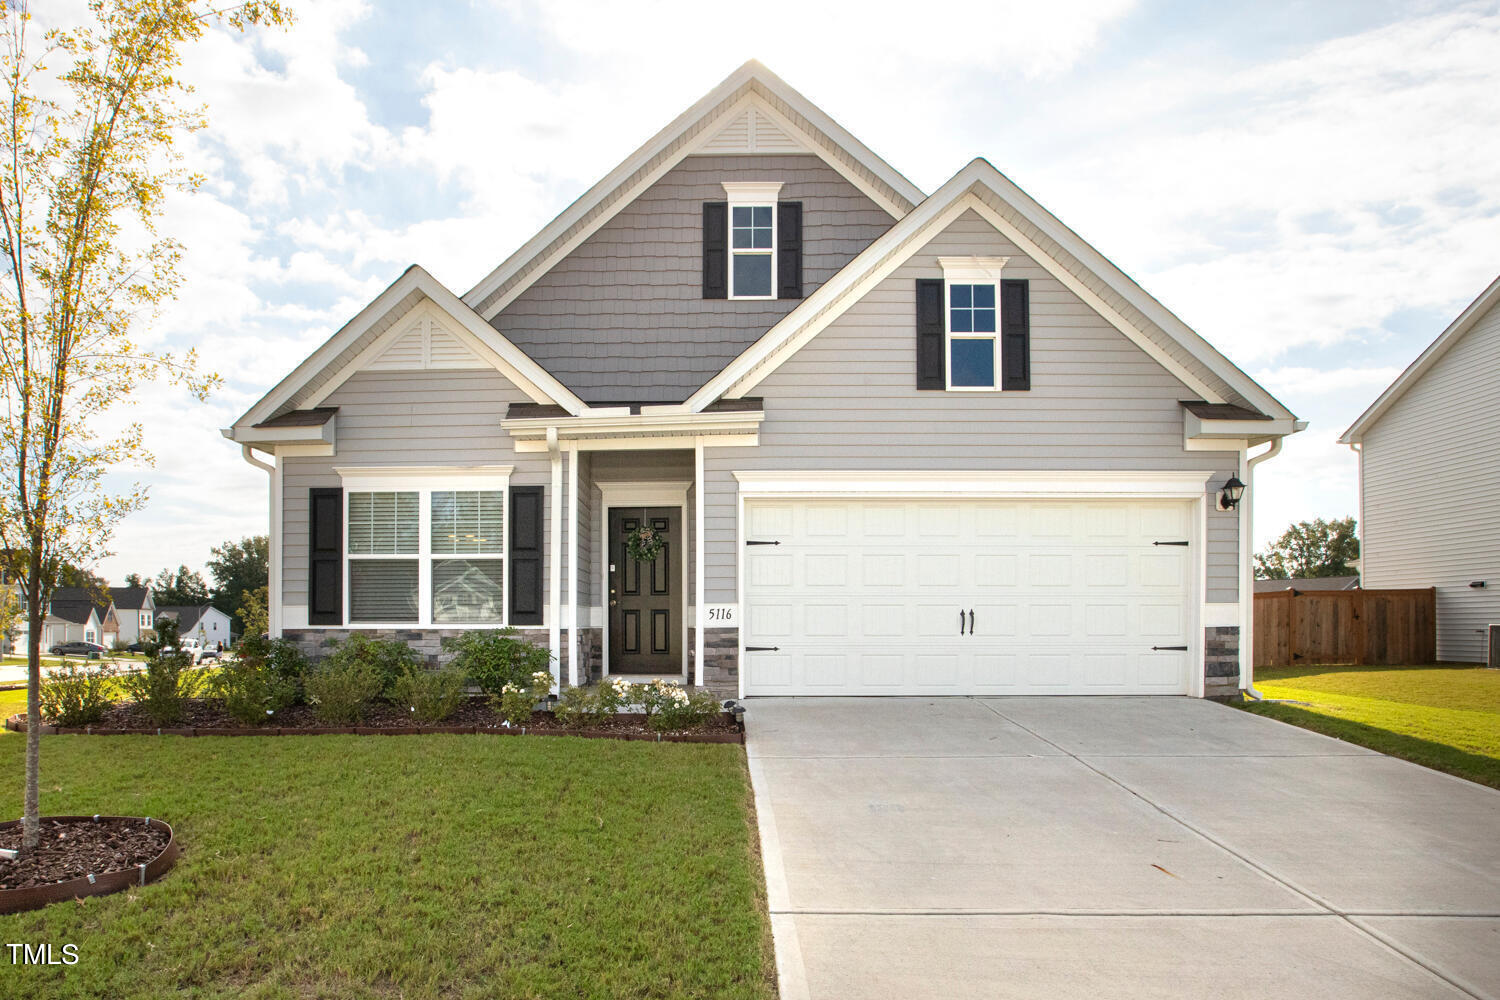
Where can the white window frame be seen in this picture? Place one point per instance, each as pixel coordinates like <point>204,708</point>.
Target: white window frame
<point>425,481</point>
<point>145,619</point>
<point>970,271</point>
<point>752,194</point>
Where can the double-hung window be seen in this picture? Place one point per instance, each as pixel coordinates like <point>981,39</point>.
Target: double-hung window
<point>752,239</point>
<point>425,550</point>
<point>973,321</point>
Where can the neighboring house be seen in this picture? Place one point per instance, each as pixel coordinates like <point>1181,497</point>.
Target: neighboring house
<point>135,611</point>
<point>109,625</point>
<point>1308,583</point>
<point>207,624</point>
<point>1429,479</point>
<point>895,443</point>
<point>70,621</point>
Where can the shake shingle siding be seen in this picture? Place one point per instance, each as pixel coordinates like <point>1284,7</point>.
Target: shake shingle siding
<point>1431,482</point>
<point>622,318</point>
<point>847,400</point>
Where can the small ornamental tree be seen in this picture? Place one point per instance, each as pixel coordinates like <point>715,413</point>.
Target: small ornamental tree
<point>89,118</point>
<point>1310,549</point>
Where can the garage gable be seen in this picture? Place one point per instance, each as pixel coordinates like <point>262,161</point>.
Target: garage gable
<point>1073,352</point>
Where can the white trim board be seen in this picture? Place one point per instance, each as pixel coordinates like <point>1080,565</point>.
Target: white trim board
<point>1104,485</point>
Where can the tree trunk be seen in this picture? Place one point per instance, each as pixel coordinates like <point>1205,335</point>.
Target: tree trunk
<point>36,614</point>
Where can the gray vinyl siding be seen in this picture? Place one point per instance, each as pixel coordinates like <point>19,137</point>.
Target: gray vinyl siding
<point>623,319</point>
<point>1431,491</point>
<point>847,400</point>
<point>585,515</point>
<point>405,418</point>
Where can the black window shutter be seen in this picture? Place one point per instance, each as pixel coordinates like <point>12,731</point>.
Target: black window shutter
<point>716,249</point>
<point>1015,334</point>
<point>325,556</point>
<point>525,555</point>
<point>932,372</point>
<point>789,250</point>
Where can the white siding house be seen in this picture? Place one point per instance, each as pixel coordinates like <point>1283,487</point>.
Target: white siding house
<point>1430,479</point>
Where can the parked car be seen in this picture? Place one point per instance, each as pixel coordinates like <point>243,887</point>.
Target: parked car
<point>198,651</point>
<point>92,650</point>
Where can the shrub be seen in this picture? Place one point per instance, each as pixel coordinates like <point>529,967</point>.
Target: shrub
<point>592,706</point>
<point>430,695</point>
<point>74,695</point>
<point>494,658</point>
<point>119,646</point>
<point>516,701</point>
<point>168,680</point>
<point>388,658</point>
<point>280,656</point>
<point>251,689</point>
<point>340,688</point>
<point>671,708</point>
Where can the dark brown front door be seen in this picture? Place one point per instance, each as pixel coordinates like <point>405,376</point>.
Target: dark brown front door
<point>645,607</point>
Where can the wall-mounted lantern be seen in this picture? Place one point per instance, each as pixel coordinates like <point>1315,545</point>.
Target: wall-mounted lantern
<point>1230,493</point>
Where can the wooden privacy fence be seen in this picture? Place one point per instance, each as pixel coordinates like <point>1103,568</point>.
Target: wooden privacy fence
<point>1296,628</point>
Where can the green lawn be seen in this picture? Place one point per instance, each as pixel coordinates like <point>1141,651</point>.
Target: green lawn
<point>413,866</point>
<point>1444,717</point>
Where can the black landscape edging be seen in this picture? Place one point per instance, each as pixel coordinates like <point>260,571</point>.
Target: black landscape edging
<point>17,724</point>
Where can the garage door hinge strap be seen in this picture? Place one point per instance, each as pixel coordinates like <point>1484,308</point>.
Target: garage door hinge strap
<point>1182,649</point>
<point>762,649</point>
<point>752,541</point>
<point>1170,543</point>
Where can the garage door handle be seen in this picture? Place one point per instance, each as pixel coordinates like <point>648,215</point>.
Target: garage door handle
<point>762,649</point>
<point>971,621</point>
<point>1177,649</point>
<point>960,621</point>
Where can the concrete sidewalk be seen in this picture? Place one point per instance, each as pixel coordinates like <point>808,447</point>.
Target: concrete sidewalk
<point>1112,847</point>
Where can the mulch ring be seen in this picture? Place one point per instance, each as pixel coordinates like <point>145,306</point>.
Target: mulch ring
<point>77,847</point>
<point>204,717</point>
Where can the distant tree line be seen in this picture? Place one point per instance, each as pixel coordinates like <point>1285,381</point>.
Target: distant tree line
<point>239,569</point>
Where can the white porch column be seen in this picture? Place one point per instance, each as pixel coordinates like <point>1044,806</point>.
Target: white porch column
<point>554,558</point>
<point>699,589</point>
<point>573,564</point>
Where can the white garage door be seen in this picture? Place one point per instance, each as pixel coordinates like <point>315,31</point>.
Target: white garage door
<point>887,597</point>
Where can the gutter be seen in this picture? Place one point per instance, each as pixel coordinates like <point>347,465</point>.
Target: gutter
<point>1247,574</point>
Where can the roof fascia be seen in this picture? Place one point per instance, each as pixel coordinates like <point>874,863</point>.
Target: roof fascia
<point>747,77</point>
<point>1414,371</point>
<point>528,376</point>
<point>904,239</point>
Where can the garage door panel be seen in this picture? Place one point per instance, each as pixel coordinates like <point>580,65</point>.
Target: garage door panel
<point>863,597</point>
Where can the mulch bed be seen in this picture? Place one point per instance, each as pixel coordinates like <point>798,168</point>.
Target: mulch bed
<point>204,717</point>
<point>78,848</point>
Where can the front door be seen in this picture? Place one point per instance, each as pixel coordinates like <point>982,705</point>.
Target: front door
<point>645,602</point>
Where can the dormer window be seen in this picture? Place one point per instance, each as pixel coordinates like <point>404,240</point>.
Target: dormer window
<point>752,239</point>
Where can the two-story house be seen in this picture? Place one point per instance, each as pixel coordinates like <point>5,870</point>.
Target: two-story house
<point>757,413</point>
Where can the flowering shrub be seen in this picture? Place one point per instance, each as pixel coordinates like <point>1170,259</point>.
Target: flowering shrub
<point>671,708</point>
<point>516,701</point>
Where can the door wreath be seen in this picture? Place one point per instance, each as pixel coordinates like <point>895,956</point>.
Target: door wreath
<point>644,544</point>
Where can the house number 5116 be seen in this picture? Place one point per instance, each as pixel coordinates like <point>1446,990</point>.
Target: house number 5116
<point>721,615</point>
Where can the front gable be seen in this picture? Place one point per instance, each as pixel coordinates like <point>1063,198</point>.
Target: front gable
<point>623,317</point>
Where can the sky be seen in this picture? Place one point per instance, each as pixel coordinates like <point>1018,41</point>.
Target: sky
<point>1313,186</point>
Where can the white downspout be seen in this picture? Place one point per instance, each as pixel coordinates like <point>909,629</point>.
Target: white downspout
<point>554,561</point>
<point>273,570</point>
<point>1247,569</point>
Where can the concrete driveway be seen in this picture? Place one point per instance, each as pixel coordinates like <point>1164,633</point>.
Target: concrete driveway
<point>1112,847</point>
